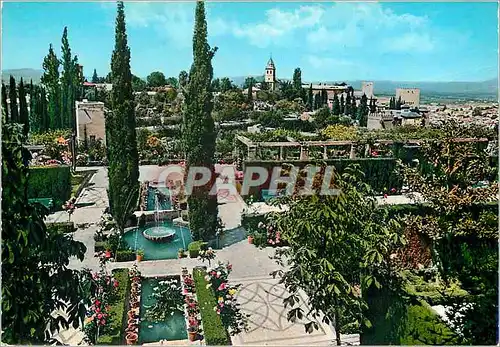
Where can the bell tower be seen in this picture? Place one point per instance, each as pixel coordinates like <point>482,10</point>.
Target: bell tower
<point>270,76</point>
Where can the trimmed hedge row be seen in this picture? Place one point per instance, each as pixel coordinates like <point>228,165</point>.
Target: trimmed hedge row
<point>62,227</point>
<point>125,255</point>
<point>195,247</point>
<point>215,333</point>
<point>113,334</point>
<point>50,182</point>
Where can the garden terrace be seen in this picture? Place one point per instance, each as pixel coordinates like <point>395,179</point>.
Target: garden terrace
<point>291,149</point>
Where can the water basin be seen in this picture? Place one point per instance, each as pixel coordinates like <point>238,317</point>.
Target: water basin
<point>159,250</point>
<point>172,329</point>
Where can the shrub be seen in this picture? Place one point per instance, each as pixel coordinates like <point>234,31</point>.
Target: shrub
<point>125,255</point>
<point>50,182</point>
<point>63,227</point>
<point>113,334</point>
<point>195,247</point>
<point>215,333</point>
<point>100,246</point>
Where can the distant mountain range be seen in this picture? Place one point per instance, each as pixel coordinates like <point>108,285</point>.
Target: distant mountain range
<point>489,87</point>
<point>26,74</point>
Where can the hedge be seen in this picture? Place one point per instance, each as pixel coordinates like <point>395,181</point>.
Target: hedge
<point>62,227</point>
<point>125,255</point>
<point>396,322</point>
<point>113,334</point>
<point>215,333</point>
<point>100,246</point>
<point>50,182</point>
<point>195,247</point>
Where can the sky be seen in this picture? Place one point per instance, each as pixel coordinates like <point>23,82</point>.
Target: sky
<point>328,41</point>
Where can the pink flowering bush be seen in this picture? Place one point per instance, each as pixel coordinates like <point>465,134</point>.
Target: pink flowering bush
<point>227,306</point>
<point>102,287</point>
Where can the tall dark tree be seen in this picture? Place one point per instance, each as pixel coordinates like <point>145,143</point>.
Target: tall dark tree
<point>225,84</point>
<point>123,170</point>
<point>353,109</point>
<point>391,103</point>
<point>50,80</point>
<point>43,110</point>
<point>5,108</point>
<point>216,85</point>
<point>317,101</point>
<point>310,98</point>
<point>68,83</point>
<point>23,109</point>
<point>199,130</point>
<point>14,112</point>
<point>348,103</point>
<point>297,83</point>
<point>156,79</point>
<point>342,105</point>
<point>95,78</point>
<point>324,98</point>
<point>336,105</point>
<point>398,104</point>
<point>249,83</point>
<point>362,112</point>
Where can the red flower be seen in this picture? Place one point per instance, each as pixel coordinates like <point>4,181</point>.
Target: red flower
<point>116,284</point>
<point>99,316</point>
<point>97,303</point>
<point>385,196</point>
<point>108,254</point>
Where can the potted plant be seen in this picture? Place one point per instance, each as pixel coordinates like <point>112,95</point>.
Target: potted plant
<point>192,329</point>
<point>140,255</point>
<point>181,253</point>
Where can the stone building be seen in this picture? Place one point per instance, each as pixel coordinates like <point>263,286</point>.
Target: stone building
<point>367,89</point>
<point>409,96</point>
<point>270,75</point>
<point>90,120</point>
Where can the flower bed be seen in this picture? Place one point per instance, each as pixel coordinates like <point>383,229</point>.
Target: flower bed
<point>214,331</point>
<point>132,329</point>
<point>191,308</point>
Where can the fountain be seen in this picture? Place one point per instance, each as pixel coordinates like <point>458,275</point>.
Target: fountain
<point>158,233</point>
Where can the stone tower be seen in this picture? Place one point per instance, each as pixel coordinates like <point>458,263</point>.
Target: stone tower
<point>270,76</point>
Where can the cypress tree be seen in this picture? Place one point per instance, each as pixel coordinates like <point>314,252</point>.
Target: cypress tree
<point>297,83</point>
<point>50,80</point>
<point>317,101</point>
<point>310,98</point>
<point>347,106</point>
<point>14,112</point>
<point>336,105</point>
<point>362,112</point>
<point>44,111</point>
<point>353,108</point>
<point>398,104</point>
<point>342,106</point>
<point>23,109</point>
<point>123,170</point>
<point>67,83</point>
<point>95,78</point>
<point>5,107</point>
<point>199,130</point>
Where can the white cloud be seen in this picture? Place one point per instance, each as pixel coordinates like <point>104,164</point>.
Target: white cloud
<point>410,42</point>
<point>278,24</point>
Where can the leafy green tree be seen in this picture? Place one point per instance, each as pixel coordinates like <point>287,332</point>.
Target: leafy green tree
<point>123,170</point>
<point>138,84</point>
<point>5,107</point>
<point>173,82</point>
<point>347,106</point>
<point>297,84</point>
<point>216,85</point>
<point>317,101</point>
<point>337,247</point>
<point>286,89</point>
<point>310,99</point>
<point>156,79</point>
<point>336,105</point>
<point>353,109</point>
<point>229,106</point>
<point>50,80</point>
<point>199,129</point>
<point>321,116</point>
<point>271,119</point>
<point>183,79</point>
<point>36,280</point>
<point>249,83</point>
<point>23,109</point>
<point>225,84</point>
<point>362,116</point>
<point>95,78</point>
<point>14,112</point>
